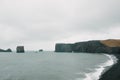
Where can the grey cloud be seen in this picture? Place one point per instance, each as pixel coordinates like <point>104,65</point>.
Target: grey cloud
<point>47,21</point>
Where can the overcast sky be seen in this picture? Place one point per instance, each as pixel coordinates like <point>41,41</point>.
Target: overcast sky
<point>40,24</point>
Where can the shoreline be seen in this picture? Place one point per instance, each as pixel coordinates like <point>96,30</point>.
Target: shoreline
<point>101,68</point>
<point>114,72</point>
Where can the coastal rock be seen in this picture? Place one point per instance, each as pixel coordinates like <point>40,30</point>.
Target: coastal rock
<point>89,46</point>
<point>115,50</point>
<point>8,50</point>
<point>63,47</point>
<point>95,46</point>
<point>40,50</point>
<point>103,50</point>
<point>20,49</point>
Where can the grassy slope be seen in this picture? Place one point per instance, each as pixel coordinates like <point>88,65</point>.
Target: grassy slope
<point>111,42</point>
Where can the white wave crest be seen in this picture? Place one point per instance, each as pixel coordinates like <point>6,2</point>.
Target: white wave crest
<point>98,71</point>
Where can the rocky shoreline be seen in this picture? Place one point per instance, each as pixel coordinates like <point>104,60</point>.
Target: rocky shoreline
<point>110,46</point>
<point>114,72</point>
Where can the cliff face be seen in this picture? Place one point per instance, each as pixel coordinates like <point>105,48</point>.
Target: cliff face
<point>90,46</point>
<point>97,46</point>
<point>63,47</point>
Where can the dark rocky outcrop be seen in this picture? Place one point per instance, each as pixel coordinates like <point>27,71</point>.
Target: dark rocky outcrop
<point>20,49</point>
<point>63,47</point>
<point>89,46</point>
<point>115,50</point>
<point>40,50</point>
<point>96,46</point>
<point>8,50</point>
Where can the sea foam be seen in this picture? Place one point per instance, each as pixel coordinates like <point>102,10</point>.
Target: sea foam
<point>95,75</point>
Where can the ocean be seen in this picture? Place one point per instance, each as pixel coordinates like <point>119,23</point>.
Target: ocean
<point>50,65</point>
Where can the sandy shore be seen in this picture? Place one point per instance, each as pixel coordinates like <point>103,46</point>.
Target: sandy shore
<point>114,72</point>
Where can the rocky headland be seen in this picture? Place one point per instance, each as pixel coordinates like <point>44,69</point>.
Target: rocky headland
<point>94,46</point>
<point>110,46</point>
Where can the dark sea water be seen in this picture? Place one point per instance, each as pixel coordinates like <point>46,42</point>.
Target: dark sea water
<point>53,66</point>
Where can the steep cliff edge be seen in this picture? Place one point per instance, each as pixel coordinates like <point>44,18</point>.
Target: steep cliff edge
<point>95,46</point>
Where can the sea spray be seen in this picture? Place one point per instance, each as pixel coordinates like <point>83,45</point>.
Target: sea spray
<point>100,69</point>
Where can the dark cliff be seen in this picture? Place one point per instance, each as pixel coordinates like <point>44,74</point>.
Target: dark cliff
<point>20,49</point>
<point>96,46</point>
<point>89,46</point>
<point>63,47</point>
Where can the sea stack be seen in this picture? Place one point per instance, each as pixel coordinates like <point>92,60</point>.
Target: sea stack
<point>20,49</point>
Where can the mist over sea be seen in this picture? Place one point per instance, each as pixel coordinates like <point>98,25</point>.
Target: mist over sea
<point>50,65</point>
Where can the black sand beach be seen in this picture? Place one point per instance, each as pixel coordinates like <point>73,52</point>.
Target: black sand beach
<point>114,72</point>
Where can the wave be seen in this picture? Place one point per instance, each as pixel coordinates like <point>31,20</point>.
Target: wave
<point>100,69</point>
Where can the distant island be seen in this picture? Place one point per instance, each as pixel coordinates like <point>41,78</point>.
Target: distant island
<point>8,50</point>
<point>40,50</point>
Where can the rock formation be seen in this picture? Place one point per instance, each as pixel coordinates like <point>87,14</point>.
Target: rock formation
<point>40,50</point>
<point>89,46</point>
<point>96,46</point>
<point>63,47</point>
<point>8,50</point>
<point>20,49</point>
